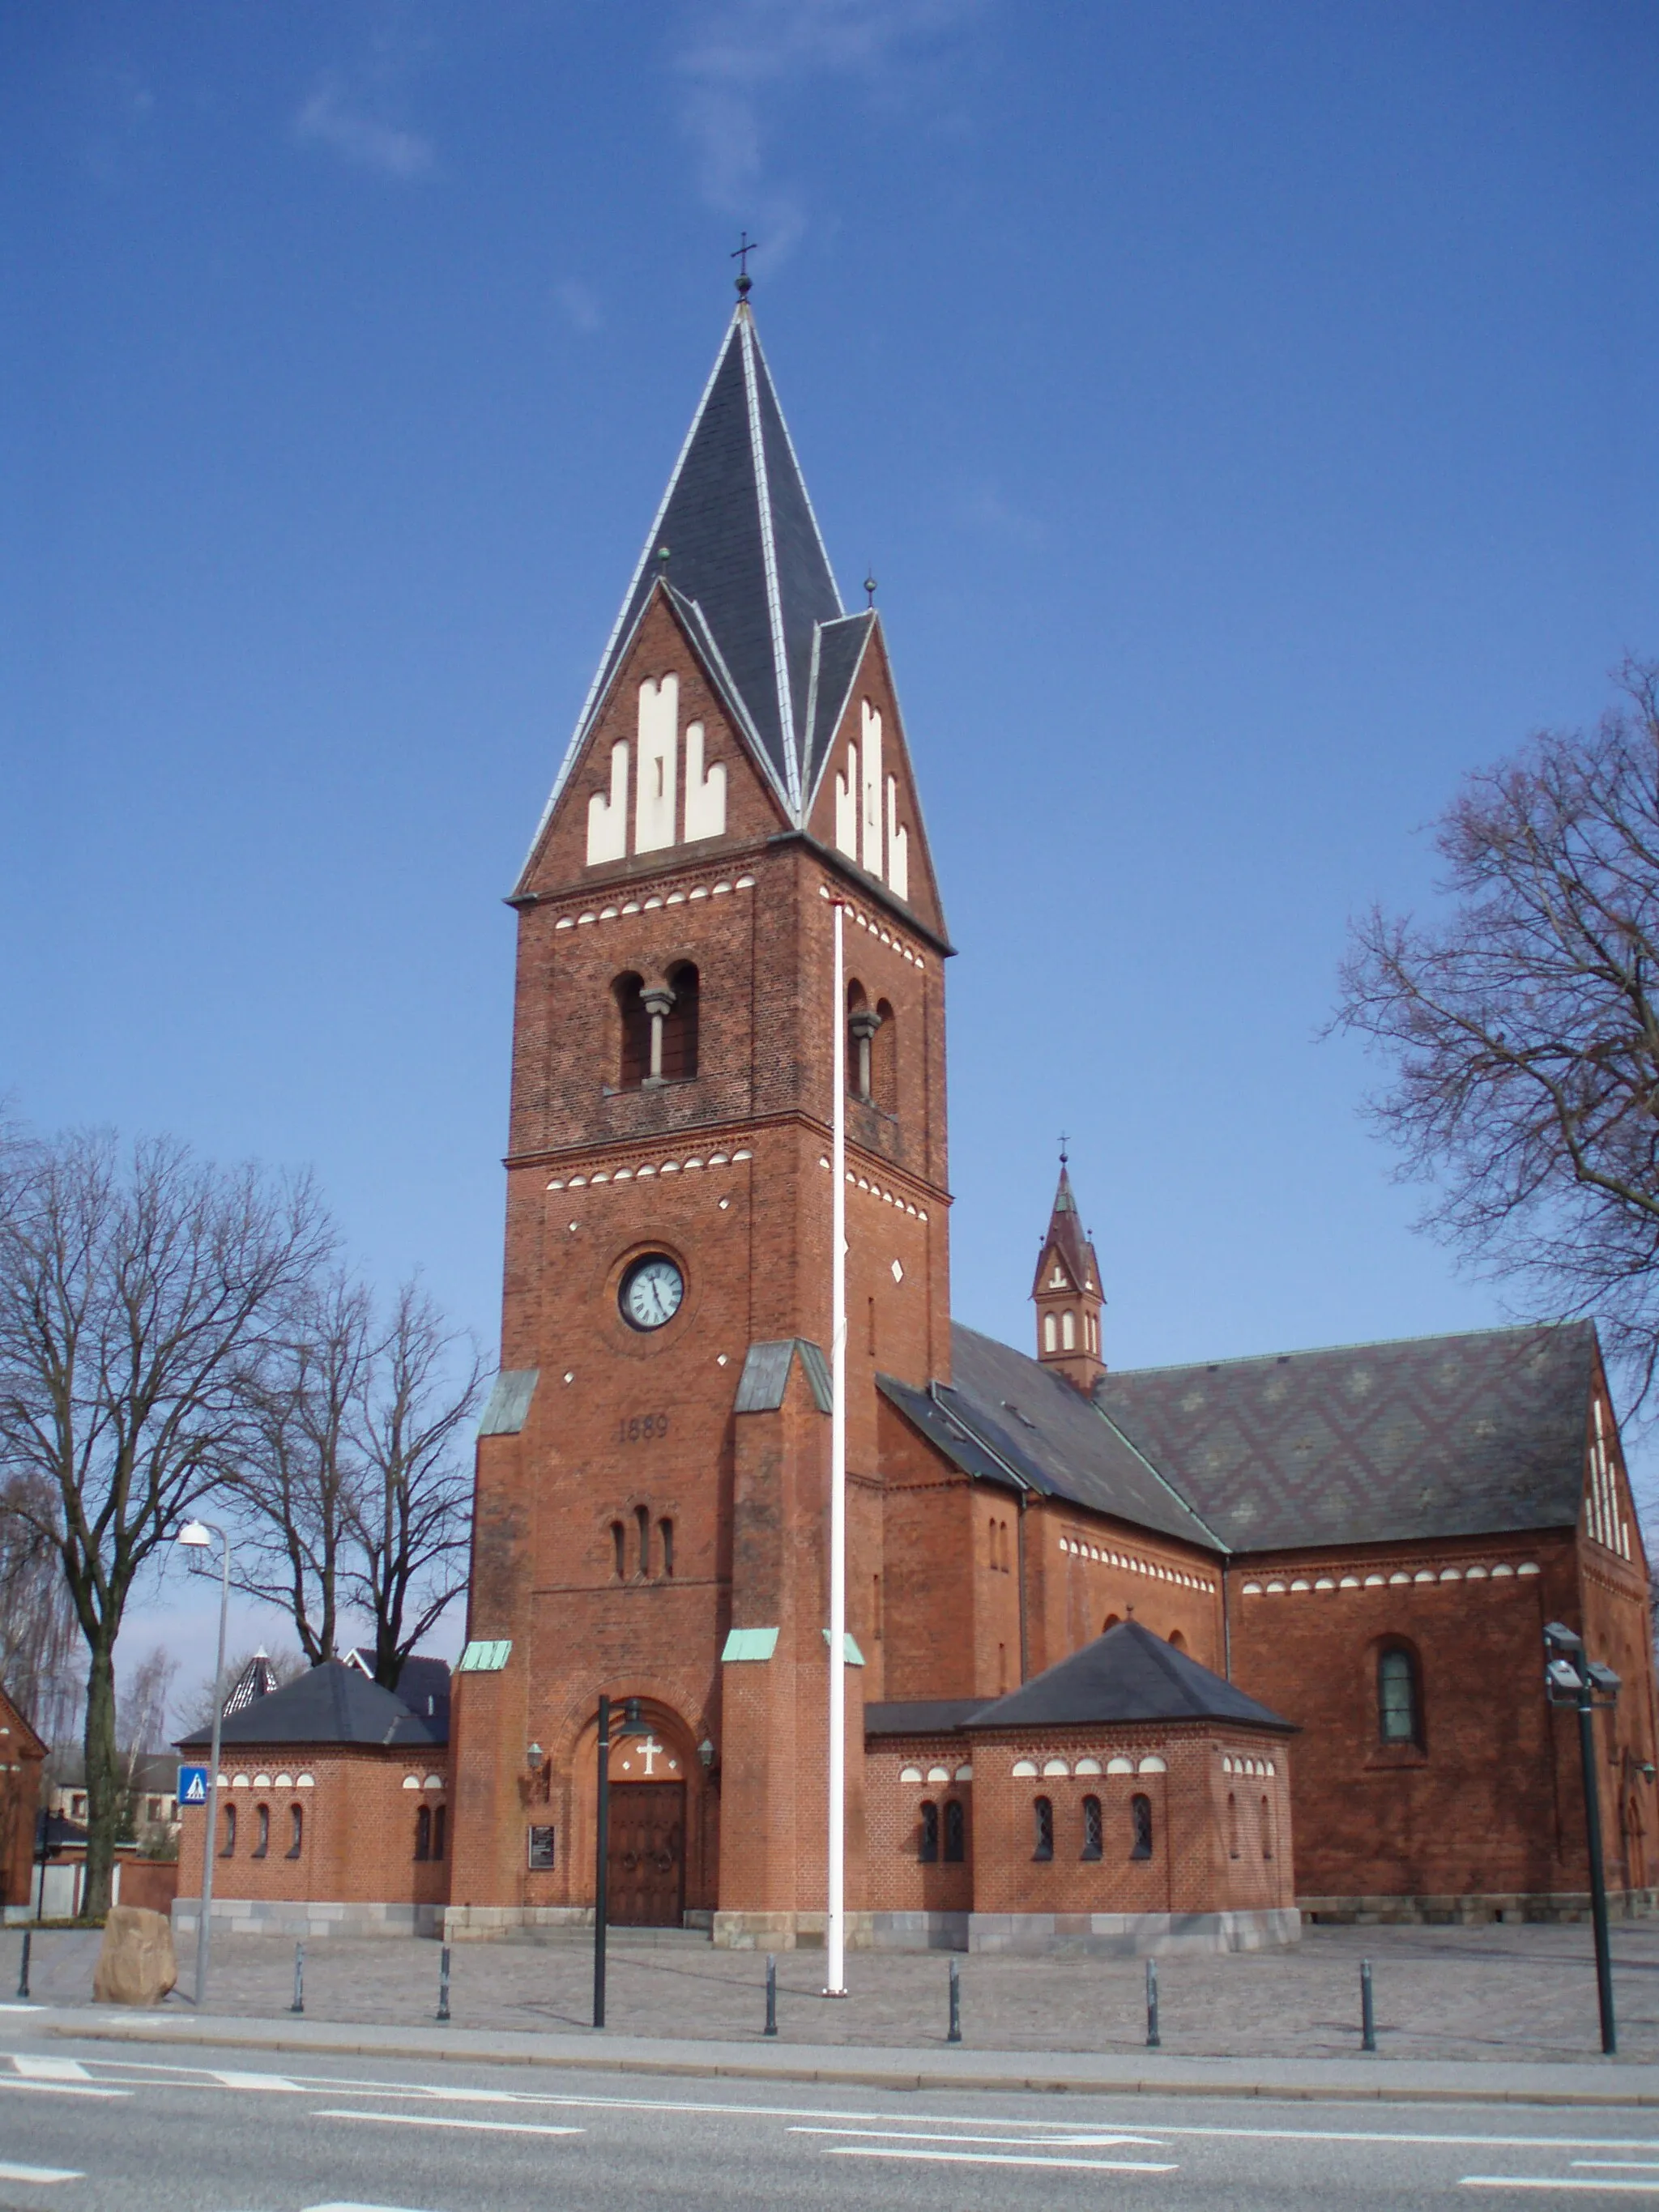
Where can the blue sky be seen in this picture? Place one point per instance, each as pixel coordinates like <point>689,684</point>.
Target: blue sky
<point>1248,412</point>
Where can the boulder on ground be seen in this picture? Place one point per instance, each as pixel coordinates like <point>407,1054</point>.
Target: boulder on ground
<point>137,1966</point>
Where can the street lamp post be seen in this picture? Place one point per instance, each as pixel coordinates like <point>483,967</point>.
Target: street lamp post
<point>197,1536</point>
<point>629,1725</point>
<point>1570,1679</point>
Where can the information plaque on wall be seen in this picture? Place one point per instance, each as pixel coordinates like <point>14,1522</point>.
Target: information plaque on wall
<point>541,1849</point>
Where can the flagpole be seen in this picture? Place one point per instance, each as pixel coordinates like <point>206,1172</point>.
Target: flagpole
<point>835,1928</point>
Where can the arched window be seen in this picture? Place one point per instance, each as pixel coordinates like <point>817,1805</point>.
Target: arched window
<point>1068,1331</point>
<point>440,1822</point>
<point>679,1028</point>
<point>1398,1706</point>
<point>423,1833</point>
<point>262,1832</point>
<point>956,1830</point>
<point>227,1847</point>
<point>634,1049</point>
<point>1140,1827</point>
<point>642,1521</point>
<point>619,1548</point>
<point>1002,1670</point>
<point>862,1022</point>
<point>1232,1826</point>
<point>1092,1830</point>
<point>1110,1621</point>
<point>884,1060</point>
<point>1050,1334</point>
<point>666,1538</point>
<point>991,1543</point>
<point>1042,1823</point>
<point>927,1841</point>
<point>296,1822</point>
<point>1266,1830</point>
<point>1177,1641</point>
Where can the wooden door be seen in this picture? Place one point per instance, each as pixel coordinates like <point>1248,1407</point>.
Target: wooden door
<point>648,1854</point>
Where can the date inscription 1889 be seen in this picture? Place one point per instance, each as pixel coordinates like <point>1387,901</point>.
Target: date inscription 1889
<point>640,1428</point>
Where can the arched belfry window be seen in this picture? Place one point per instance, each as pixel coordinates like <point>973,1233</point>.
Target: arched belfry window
<point>634,1048</point>
<point>884,1060</point>
<point>1050,1335</point>
<point>1068,1330</point>
<point>862,1024</point>
<point>679,1025</point>
<point>1398,1697</point>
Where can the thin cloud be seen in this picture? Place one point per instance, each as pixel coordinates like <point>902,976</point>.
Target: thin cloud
<point>328,119</point>
<point>745,49</point>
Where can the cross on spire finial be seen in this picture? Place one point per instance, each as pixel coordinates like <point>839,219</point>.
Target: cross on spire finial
<point>1064,1141</point>
<point>740,254</point>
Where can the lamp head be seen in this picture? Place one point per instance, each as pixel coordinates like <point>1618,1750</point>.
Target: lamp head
<point>533,1755</point>
<point>1560,1638</point>
<point>1562,1678</point>
<point>631,1721</point>
<point>195,1535</point>
<point>1602,1679</point>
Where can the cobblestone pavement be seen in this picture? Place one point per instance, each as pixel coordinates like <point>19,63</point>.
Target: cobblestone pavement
<point>1470,1993</point>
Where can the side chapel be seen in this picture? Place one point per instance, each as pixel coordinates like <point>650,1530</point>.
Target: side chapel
<point>1134,1659</point>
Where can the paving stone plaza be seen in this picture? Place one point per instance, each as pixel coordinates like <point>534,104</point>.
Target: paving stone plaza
<point>1493,1993</point>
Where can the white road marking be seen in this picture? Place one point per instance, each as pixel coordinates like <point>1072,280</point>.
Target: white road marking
<point>228,2078</point>
<point>359,2208</point>
<point>1049,2142</point>
<point>40,2173</point>
<point>998,2158</point>
<point>60,2088</point>
<point>34,2068</point>
<point>1621,2164</point>
<point>1545,2181</point>
<point>19,2007</point>
<point>445,2120</point>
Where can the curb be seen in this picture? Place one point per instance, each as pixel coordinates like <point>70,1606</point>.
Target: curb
<point>866,2071</point>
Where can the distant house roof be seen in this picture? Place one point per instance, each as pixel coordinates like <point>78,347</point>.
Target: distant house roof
<point>1127,1674</point>
<point>920,1715</point>
<point>331,1704</point>
<point>152,1770</point>
<point>13,1718</point>
<point>1006,1417</point>
<point>1431,1436</point>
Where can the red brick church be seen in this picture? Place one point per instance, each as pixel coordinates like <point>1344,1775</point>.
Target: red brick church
<point>1134,1659</point>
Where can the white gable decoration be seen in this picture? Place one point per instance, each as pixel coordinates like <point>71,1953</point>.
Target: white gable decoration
<point>868,827</point>
<point>656,797</point>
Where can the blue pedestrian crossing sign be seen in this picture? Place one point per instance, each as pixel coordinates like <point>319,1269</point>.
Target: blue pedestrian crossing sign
<point>192,1785</point>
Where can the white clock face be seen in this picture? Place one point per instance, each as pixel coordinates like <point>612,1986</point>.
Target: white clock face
<point>651,1291</point>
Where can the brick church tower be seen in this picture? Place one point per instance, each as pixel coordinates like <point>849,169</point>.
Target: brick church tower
<point>1067,1294</point>
<point>652,1504</point>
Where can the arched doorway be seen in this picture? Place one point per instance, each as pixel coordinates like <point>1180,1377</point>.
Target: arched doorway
<point>645,1861</point>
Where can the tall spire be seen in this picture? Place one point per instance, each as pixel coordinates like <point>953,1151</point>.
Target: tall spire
<point>1066,1292</point>
<point>737,546</point>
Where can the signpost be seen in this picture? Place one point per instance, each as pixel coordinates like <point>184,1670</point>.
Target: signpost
<point>192,1785</point>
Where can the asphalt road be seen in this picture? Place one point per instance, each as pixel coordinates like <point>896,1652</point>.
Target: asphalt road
<point>82,2130</point>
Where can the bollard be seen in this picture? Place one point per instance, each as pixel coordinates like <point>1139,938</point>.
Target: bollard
<point>443,1984</point>
<point>771,2027</point>
<point>1154,2041</point>
<point>298,2003</point>
<point>23,1978</point>
<point>954,2036</point>
<point>1367,2010</point>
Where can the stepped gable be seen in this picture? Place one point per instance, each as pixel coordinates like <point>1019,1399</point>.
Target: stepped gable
<point>331,1704</point>
<point>1372,1443</point>
<point>1002,1416</point>
<point>1127,1674</point>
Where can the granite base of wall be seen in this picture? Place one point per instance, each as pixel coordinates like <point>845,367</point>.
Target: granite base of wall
<point>1130,1934</point>
<point>305,1921</point>
<point>1473,1910</point>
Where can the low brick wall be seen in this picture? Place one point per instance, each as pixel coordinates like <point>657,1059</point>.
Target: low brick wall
<point>306,1920</point>
<point>1132,1934</point>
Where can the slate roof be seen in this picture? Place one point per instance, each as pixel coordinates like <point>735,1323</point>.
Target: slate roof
<point>920,1715</point>
<point>1432,1436</point>
<point>331,1704</point>
<point>747,569</point>
<point>1003,1418</point>
<point>1127,1674</point>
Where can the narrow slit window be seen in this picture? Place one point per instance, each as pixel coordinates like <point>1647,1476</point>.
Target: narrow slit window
<point>634,1047</point>
<point>955,1832</point>
<point>1140,1828</point>
<point>927,1838</point>
<point>1042,1825</point>
<point>440,1822</point>
<point>423,1833</point>
<point>681,1024</point>
<point>228,1849</point>
<point>296,1822</point>
<point>1093,1831</point>
<point>1232,1826</point>
<point>262,1832</point>
<point>642,1522</point>
<point>665,1539</point>
<point>1399,1707</point>
<point>619,1549</point>
<point>1266,1830</point>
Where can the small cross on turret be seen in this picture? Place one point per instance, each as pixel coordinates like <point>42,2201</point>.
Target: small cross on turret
<point>1066,1291</point>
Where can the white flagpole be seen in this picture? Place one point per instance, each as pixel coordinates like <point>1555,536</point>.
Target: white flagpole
<point>835,1929</point>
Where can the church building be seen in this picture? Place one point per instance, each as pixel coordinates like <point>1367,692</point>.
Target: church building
<point>1134,1659</point>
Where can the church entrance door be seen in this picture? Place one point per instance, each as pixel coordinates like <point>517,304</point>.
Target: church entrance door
<point>646,1880</point>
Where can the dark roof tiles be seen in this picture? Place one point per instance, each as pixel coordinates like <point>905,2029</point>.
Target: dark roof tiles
<point>1127,1674</point>
<point>331,1704</point>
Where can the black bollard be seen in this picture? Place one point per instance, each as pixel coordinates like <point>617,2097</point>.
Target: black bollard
<point>1367,2010</point>
<point>1154,2041</point>
<point>954,2036</point>
<point>23,1978</point>
<point>298,2003</point>
<point>771,2027</point>
<point>443,1984</point>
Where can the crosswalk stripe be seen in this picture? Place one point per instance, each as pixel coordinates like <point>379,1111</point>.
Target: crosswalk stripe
<point>993,2158</point>
<point>451,2120</point>
<point>40,2173</point>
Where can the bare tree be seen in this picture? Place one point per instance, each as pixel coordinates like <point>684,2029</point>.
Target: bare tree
<point>1523,1028</point>
<point>134,1289</point>
<point>412,1519</point>
<point>41,1643</point>
<point>196,1710</point>
<point>141,1722</point>
<point>303,1474</point>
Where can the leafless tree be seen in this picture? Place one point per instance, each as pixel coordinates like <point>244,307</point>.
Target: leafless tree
<point>141,1728</point>
<point>1523,1027</point>
<point>302,1475</point>
<point>412,1517</point>
<point>135,1288</point>
<point>40,1646</point>
<point>195,1711</point>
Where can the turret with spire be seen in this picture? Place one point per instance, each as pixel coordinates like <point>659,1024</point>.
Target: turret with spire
<point>1067,1294</point>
